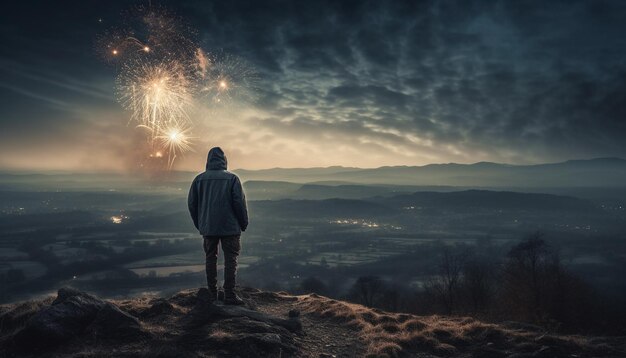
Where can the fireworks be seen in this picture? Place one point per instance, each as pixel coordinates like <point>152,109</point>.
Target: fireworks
<point>227,80</point>
<point>174,140</point>
<point>146,30</point>
<point>162,72</point>
<point>157,95</point>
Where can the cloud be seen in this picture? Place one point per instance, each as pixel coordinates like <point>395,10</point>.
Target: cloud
<point>373,83</point>
<point>477,81</point>
<point>40,97</point>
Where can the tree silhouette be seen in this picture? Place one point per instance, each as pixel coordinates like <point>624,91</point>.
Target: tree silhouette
<point>313,285</point>
<point>445,287</point>
<point>367,289</point>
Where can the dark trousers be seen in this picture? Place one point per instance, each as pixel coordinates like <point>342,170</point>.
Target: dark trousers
<point>231,245</point>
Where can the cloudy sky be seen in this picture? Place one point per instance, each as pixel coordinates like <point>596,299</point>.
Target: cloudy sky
<point>352,83</point>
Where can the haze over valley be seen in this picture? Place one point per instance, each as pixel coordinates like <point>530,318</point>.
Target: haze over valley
<point>119,236</point>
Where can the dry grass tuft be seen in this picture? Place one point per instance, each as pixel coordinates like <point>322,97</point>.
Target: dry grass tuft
<point>387,349</point>
<point>391,334</point>
<point>220,335</point>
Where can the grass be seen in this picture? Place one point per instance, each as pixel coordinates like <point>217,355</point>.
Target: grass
<point>395,335</point>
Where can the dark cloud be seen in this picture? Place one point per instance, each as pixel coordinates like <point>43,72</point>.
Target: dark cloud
<point>516,81</point>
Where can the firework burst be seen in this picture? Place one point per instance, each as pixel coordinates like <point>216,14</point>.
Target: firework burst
<point>174,140</point>
<point>227,80</point>
<point>157,95</point>
<point>161,73</point>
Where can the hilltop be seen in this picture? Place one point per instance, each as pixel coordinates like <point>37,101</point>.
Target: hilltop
<point>77,324</point>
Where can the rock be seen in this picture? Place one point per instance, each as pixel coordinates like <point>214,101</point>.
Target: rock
<point>68,292</point>
<point>67,317</point>
<point>527,347</point>
<point>168,351</point>
<point>159,307</point>
<point>185,298</point>
<point>293,313</point>
<point>255,345</point>
<point>70,314</point>
<point>488,352</point>
<point>551,352</point>
<point>203,296</point>
<point>206,311</point>
<point>15,317</point>
<point>519,355</point>
<point>291,324</point>
<point>239,336</point>
<point>202,311</point>
<point>445,350</point>
<point>111,322</point>
<point>604,349</point>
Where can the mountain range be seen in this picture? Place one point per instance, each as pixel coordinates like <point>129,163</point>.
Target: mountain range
<point>599,172</point>
<point>591,173</point>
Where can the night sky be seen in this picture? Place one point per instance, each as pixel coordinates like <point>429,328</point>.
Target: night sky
<point>352,83</point>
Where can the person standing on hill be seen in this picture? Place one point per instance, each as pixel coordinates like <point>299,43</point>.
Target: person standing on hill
<point>217,205</point>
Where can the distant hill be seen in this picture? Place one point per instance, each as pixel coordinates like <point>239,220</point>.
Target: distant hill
<point>77,324</point>
<point>298,175</point>
<point>380,206</point>
<point>486,199</point>
<point>328,208</point>
<point>264,190</point>
<point>600,172</point>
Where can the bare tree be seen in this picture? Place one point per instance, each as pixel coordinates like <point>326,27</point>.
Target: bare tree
<point>366,290</point>
<point>531,269</point>
<point>478,284</point>
<point>313,285</point>
<point>446,285</point>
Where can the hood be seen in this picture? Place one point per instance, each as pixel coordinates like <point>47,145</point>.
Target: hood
<point>216,159</point>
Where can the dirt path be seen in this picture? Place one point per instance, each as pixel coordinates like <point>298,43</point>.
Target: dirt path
<point>321,338</point>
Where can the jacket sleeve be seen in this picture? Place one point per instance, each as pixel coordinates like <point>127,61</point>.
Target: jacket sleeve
<point>192,202</point>
<point>239,204</point>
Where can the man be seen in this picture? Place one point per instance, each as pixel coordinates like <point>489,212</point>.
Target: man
<point>217,205</point>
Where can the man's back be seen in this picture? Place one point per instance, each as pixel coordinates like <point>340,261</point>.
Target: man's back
<point>216,201</point>
<point>218,208</point>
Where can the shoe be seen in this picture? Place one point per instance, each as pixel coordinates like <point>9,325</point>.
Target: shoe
<point>231,298</point>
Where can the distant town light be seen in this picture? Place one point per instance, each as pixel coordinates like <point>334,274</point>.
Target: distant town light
<point>118,219</point>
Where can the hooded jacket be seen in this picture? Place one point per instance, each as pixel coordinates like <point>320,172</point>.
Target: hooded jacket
<point>217,203</point>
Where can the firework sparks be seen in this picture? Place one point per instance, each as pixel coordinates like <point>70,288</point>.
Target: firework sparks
<point>175,140</point>
<point>157,95</point>
<point>229,80</point>
<point>161,71</point>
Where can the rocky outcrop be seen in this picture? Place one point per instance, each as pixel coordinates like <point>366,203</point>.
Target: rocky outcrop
<point>205,312</point>
<point>181,326</point>
<point>70,315</point>
<point>77,324</point>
